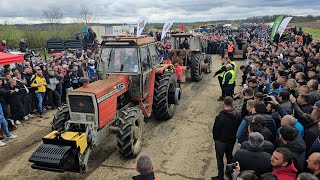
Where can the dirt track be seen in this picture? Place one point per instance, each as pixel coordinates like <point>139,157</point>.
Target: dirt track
<point>181,148</point>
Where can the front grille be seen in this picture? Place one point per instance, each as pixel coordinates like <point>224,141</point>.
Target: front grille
<point>81,104</point>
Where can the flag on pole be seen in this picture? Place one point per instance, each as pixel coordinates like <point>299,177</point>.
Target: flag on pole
<point>141,24</point>
<point>182,27</point>
<point>275,27</point>
<point>166,28</point>
<point>283,25</point>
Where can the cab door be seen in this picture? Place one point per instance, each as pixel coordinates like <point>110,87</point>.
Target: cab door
<point>146,70</point>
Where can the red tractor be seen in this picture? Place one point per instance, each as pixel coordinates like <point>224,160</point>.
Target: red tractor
<point>186,49</point>
<point>136,86</point>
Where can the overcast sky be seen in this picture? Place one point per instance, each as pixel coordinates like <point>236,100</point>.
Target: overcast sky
<point>129,11</point>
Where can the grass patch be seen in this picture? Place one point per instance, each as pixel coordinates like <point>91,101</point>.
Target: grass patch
<point>313,31</point>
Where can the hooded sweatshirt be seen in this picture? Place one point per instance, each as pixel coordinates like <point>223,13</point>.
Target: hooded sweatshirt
<point>285,173</point>
<point>226,125</point>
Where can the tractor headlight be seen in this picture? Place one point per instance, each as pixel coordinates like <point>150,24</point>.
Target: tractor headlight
<point>75,117</point>
<point>89,117</point>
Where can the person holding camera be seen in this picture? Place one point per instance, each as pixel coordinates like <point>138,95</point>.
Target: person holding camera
<point>224,134</point>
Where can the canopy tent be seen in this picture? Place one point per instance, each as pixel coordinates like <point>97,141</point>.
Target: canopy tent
<point>10,58</point>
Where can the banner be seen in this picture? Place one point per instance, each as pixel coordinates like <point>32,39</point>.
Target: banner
<point>166,28</point>
<point>275,27</point>
<point>182,27</point>
<point>141,24</point>
<point>283,25</point>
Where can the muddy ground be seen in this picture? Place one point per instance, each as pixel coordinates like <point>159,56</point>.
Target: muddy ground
<point>182,148</point>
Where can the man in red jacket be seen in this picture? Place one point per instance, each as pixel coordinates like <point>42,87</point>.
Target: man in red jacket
<point>281,161</point>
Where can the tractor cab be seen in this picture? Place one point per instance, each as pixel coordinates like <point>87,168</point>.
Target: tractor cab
<point>135,57</point>
<point>179,42</point>
<point>186,49</point>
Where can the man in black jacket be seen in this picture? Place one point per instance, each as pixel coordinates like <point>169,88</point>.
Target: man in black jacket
<point>253,158</point>
<point>314,164</point>
<point>145,169</point>
<point>314,95</point>
<point>259,108</point>
<point>302,101</point>
<point>224,134</point>
<point>248,95</point>
<point>266,133</point>
<point>290,139</point>
<point>267,145</point>
<point>309,121</point>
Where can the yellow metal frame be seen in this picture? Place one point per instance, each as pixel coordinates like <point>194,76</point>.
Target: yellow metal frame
<point>79,138</point>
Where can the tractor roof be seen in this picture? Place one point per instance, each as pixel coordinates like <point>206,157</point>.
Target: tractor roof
<point>129,39</point>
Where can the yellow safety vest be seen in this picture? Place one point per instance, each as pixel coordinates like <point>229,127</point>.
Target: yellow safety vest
<point>234,65</point>
<point>221,74</point>
<point>233,78</point>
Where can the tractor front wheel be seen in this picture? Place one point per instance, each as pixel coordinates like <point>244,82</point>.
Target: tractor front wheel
<point>60,118</point>
<point>129,138</point>
<point>196,70</point>
<point>163,106</point>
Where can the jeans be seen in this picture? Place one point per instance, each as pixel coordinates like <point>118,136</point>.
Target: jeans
<point>53,95</point>
<point>221,149</point>
<point>59,89</point>
<point>40,97</point>
<point>4,125</point>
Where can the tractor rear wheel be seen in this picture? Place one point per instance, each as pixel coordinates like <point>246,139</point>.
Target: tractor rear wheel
<point>61,116</point>
<point>165,85</point>
<point>129,138</point>
<point>196,71</point>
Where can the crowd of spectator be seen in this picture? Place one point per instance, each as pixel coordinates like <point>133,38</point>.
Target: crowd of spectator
<point>30,88</point>
<point>277,125</point>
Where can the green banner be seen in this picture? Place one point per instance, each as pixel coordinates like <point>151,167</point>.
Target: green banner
<point>275,27</point>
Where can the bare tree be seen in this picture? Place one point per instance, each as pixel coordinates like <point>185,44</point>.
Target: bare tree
<point>86,15</point>
<point>53,15</point>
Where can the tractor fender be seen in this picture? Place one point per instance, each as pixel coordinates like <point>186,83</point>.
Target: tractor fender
<point>160,69</point>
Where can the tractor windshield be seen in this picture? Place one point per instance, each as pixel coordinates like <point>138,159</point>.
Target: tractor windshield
<point>120,60</point>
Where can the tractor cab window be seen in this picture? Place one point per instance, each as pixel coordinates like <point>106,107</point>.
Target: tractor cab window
<point>120,60</point>
<point>145,58</point>
<point>185,44</point>
<point>154,55</point>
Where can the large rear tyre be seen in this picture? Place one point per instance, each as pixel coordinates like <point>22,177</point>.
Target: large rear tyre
<point>60,118</point>
<point>196,71</point>
<point>129,138</point>
<point>165,86</point>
